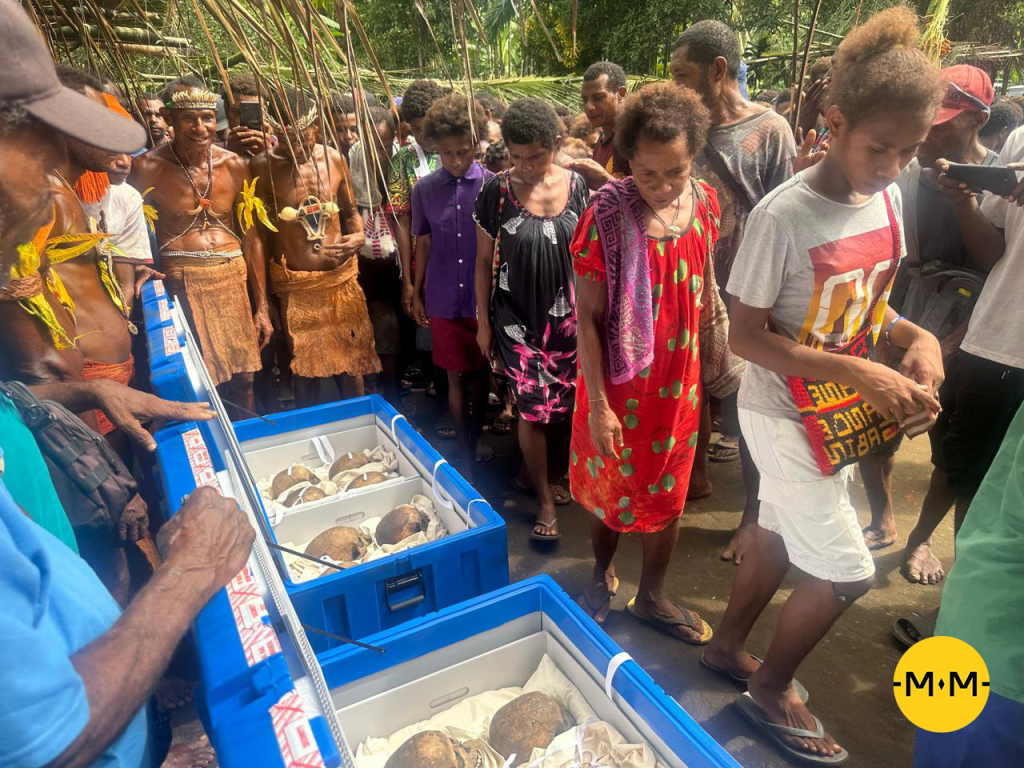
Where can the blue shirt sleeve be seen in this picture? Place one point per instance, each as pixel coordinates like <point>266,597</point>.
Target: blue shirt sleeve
<point>43,707</point>
<point>420,224</point>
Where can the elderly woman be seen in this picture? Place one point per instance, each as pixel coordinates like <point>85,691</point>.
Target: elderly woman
<point>642,253</point>
<point>526,302</point>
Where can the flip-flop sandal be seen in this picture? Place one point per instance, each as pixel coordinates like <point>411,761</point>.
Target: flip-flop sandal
<point>752,711</point>
<point>800,690</point>
<point>447,433</point>
<point>726,449</point>
<point>502,426</point>
<point>608,595</point>
<point>547,527</point>
<point>909,631</point>
<point>561,496</point>
<point>666,625</point>
<point>483,458</point>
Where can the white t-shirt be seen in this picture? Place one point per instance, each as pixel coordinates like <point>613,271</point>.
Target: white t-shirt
<point>996,331</point>
<point>122,216</point>
<point>817,265</point>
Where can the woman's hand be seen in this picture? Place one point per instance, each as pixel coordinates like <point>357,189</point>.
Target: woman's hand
<point>485,340</point>
<point>922,362</point>
<point>605,429</point>
<point>892,394</point>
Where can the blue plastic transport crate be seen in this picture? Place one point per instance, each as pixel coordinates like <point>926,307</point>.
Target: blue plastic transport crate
<point>470,561</point>
<point>172,362</point>
<point>497,640</point>
<point>261,697</point>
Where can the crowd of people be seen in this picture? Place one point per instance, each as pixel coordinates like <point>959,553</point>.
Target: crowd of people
<point>674,276</point>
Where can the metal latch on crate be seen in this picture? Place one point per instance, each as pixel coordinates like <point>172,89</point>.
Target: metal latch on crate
<point>403,585</point>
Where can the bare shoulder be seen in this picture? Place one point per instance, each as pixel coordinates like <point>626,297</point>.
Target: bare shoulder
<point>149,162</point>
<point>260,164</point>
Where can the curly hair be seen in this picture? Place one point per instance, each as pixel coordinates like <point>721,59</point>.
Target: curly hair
<point>879,69</point>
<point>662,112</point>
<point>342,104</point>
<point>242,84</point>
<point>77,79</point>
<point>528,121</point>
<point>707,40</point>
<point>580,128</point>
<point>495,153</point>
<point>1005,114</point>
<point>492,103</point>
<point>449,116</point>
<point>417,99</point>
<point>616,75</point>
<point>820,67</point>
<point>292,105</point>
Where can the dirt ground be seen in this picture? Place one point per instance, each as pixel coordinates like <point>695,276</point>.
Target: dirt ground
<point>849,675</point>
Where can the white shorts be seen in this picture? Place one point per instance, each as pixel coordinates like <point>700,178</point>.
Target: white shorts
<point>812,513</point>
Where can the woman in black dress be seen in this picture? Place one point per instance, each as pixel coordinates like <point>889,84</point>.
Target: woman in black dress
<point>526,302</point>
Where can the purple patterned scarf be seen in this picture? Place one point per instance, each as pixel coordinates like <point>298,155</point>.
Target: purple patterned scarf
<point>619,215</point>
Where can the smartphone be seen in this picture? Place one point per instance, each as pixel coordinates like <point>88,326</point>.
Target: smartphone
<point>997,179</point>
<point>251,116</point>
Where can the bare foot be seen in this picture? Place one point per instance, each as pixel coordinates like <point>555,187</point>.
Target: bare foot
<point>785,708</point>
<point>596,599</point>
<point>665,609</point>
<point>741,665</point>
<point>173,693</point>
<point>742,540</point>
<point>921,566</point>
<point>700,488</point>
<point>191,754</point>
<point>880,536</point>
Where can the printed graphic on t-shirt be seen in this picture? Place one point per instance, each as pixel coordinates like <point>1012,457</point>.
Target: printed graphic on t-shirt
<point>848,274</point>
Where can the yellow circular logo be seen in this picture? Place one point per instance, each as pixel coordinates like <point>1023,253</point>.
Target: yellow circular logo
<point>941,684</point>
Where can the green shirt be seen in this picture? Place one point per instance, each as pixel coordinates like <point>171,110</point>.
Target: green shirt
<point>27,478</point>
<point>407,167</point>
<point>981,603</point>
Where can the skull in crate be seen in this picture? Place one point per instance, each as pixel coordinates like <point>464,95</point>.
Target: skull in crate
<point>346,462</point>
<point>367,478</point>
<point>286,478</point>
<point>401,523</point>
<point>304,495</point>
<point>340,543</point>
<point>527,722</point>
<point>432,749</point>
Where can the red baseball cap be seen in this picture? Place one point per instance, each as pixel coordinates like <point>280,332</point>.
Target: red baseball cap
<point>968,89</point>
<point>30,81</point>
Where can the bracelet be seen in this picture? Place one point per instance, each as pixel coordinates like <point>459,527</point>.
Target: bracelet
<point>598,399</point>
<point>892,324</point>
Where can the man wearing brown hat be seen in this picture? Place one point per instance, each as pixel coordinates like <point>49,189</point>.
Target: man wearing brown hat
<point>76,673</point>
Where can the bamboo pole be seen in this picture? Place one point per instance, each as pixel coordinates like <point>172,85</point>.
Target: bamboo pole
<point>799,94</point>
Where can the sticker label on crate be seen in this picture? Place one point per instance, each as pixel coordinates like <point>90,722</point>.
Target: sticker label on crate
<point>246,600</point>
<point>171,346</point>
<point>259,642</point>
<point>294,733</point>
<point>198,454</point>
<point>158,288</point>
<point>163,310</point>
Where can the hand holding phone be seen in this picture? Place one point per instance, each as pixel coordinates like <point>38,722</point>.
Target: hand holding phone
<point>997,179</point>
<point>250,115</point>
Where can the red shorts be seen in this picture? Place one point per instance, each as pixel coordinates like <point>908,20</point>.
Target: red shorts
<point>454,344</point>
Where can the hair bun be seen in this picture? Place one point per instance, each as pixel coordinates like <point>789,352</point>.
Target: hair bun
<point>895,27</point>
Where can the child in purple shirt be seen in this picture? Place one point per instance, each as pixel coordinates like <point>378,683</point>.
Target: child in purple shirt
<point>444,298</point>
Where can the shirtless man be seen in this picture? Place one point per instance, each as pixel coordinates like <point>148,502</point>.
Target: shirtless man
<point>206,257</point>
<point>313,269</point>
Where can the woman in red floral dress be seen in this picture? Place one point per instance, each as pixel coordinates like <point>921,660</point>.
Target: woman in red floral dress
<point>641,254</point>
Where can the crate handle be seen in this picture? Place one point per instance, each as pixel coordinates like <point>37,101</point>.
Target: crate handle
<point>394,420</point>
<point>435,487</point>
<point>448,698</point>
<point>617,661</point>
<point>404,582</point>
<point>342,519</point>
